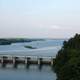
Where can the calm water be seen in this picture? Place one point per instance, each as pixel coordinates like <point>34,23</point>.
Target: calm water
<point>44,48</point>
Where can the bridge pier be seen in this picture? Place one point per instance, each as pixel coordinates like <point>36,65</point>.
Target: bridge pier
<point>3,59</point>
<point>40,63</point>
<point>27,62</point>
<point>52,61</point>
<point>14,59</point>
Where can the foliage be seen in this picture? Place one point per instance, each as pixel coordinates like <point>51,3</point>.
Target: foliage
<point>30,47</point>
<point>67,62</point>
<point>8,41</point>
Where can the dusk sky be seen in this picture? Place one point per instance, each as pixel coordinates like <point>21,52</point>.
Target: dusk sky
<point>39,18</point>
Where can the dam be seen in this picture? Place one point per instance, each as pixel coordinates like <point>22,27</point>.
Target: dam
<point>16,60</point>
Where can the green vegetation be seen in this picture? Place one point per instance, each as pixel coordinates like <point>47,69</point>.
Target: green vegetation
<point>4,42</point>
<point>30,47</point>
<point>67,62</point>
<point>9,41</point>
<point>13,40</point>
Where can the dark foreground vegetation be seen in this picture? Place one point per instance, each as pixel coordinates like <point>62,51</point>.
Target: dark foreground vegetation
<point>67,62</point>
<point>9,41</point>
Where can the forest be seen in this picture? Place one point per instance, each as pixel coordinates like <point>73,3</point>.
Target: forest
<point>67,61</point>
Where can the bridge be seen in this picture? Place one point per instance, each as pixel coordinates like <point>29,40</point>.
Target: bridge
<point>15,60</point>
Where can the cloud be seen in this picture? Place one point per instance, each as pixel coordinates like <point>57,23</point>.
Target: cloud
<point>55,27</point>
<point>50,26</point>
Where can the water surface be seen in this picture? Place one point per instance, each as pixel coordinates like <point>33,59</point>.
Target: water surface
<point>44,48</point>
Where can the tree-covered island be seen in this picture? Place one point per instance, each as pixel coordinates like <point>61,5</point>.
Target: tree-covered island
<point>30,47</point>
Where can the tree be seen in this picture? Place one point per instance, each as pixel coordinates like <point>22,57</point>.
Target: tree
<point>67,62</point>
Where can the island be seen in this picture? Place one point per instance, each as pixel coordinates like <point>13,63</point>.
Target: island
<point>30,47</point>
<point>67,61</point>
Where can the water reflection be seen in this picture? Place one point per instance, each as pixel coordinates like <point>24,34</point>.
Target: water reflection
<point>27,67</point>
<point>31,73</point>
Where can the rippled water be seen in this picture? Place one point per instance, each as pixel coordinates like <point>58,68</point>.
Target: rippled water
<point>44,48</point>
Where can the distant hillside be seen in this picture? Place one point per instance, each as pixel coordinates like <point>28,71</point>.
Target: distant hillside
<point>9,41</point>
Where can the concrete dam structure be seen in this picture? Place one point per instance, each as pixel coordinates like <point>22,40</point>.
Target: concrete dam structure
<point>25,60</point>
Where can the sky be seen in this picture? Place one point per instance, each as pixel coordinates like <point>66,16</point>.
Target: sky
<point>39,18</point>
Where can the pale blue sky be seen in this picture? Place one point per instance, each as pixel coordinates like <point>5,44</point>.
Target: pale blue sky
<point>39,18</point>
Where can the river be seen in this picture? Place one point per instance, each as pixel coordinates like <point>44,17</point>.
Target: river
<point>43,48</point>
